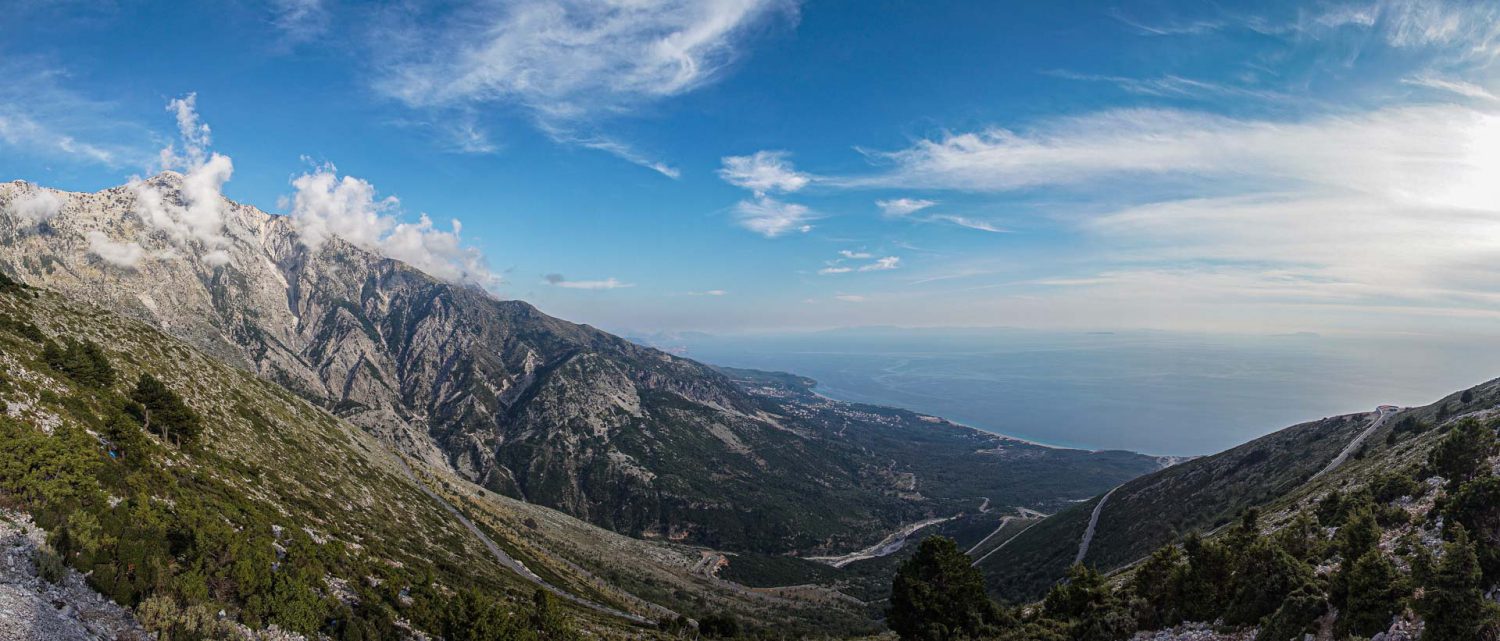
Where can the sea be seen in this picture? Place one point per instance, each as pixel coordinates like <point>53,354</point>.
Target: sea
<point>1152,392</point>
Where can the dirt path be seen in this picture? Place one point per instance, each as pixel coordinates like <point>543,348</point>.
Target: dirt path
<point>507,560</point>
<point>1088,534</point>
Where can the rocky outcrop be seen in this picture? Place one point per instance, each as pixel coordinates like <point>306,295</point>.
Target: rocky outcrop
<point>32,607</point>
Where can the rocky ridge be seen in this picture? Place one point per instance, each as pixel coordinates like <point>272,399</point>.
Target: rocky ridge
<point>563,415</point>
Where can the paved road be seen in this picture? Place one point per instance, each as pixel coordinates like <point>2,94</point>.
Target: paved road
<point>888,545</point>
<point>1024,514</point>
<point>1088,534</point>
<point>510,562</point>
<point>1381,413</point>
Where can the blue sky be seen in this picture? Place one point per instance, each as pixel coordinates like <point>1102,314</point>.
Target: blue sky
<point>728,165</point>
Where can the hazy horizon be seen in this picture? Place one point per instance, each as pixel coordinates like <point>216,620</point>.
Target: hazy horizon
<point>1151,392</point>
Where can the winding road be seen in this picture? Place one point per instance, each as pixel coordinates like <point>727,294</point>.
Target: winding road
<point>1088,534</point>
<point>1022,513</point>
<point>1381,413</point>
<point>888,545</point>
<point>510,562</point>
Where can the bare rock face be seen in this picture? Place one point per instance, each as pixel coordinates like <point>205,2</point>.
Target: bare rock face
<point>507,396</point>
<point>555,413</point>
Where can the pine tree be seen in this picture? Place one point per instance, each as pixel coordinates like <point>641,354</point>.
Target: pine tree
<point>1372,591</point>
<point>1205,580</point>
<point>1360,534</point>
<point>163,411</point>
<point>1476,506</point>
<point>1266,574</point>
<point>1090,608</point>
<point>1156,591</point>
<point>84,362</point>
<point>1464,453</point>
<point>547,620</point>
<point>938,596</point>
<point>1302,538</point>
<point>1453,606</point>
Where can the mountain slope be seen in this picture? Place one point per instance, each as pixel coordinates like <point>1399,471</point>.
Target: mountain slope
<point>1280,474</point>
<point>278,512</point>
<point>558,414</point>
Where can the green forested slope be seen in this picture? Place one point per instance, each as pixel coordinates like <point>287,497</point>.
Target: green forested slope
<point>273,511</point>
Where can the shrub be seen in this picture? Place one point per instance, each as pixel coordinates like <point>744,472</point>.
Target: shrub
<point>1297,616</point>
<point>82,361</point>
<point>49,565</point>
<point>937,595</point>
<point>1464,453</point>
<point>1371,591</point>
<point>1453,606</point>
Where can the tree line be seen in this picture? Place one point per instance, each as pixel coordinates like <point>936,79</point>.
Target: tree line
<point>1248,577</point>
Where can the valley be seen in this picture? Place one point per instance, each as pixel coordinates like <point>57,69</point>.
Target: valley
<point>626,490</point>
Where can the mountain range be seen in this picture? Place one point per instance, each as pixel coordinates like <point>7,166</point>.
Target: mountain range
<point>426,438</point>
<point>529,406</point>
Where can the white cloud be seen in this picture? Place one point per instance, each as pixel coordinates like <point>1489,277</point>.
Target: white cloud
<point>1459,87</point>
<point>192,210</point>
<point>1434,152</point>
<point>840,266</point>
<point>439,253</point>
<point>763,172</point>
<point>1172,86</point>
<point>126,254</point>
<point>771,218</point>
<point>327,206</point>
<point>903,206</point>
<point>36,207</point>
<point>710,292</point>
<point>628,154</point>
<point>882,264</point>
<point>850,298</point>
<point>557,280</point>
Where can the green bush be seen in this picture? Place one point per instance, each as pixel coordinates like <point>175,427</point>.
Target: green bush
<point>1464,452</point>
<point>937,595</point>
<point>49,565</point>
<point>1453,606</point>
<point>82,361</point>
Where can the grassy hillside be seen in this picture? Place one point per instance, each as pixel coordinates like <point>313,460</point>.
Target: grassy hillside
<point>276,513</point>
